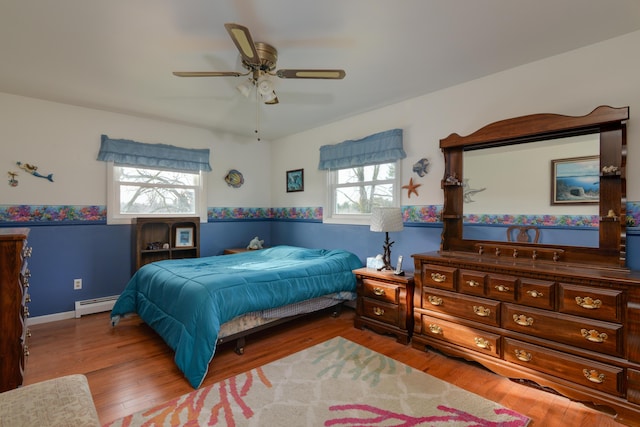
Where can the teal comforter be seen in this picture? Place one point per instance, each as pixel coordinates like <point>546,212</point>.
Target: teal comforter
<point>186,301</point>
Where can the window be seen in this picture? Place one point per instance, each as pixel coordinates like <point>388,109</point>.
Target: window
<point>138,191</point>
<point>353,191</point>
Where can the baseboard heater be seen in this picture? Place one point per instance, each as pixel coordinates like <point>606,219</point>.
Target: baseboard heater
<point>96,305</point>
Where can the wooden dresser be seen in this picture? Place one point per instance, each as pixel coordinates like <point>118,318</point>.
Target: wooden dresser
<point>559,310</point>
<point>14,297</point>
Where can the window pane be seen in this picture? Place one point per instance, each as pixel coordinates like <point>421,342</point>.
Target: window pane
<point>367,173</point>
<point>156,200</point>
<point>153,176</point>
<point>359,199</point>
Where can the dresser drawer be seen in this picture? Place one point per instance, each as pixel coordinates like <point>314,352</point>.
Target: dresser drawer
<point>596,303</point>
<point>474,308</point>
<point>381,291</point>
<point>439,277</point>
<point>601,337</point>
<point>502,287</point>
<point>474,339</point>
<point>472,282</point>
<point>601,377</point>
<point>381,311</point>
<point>537,293</point>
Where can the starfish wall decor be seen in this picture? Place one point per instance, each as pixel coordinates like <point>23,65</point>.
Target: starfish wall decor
<point>411,188</point>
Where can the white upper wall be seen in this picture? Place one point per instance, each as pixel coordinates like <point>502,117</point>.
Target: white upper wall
<point>573,83</point>
<point>64,140</point>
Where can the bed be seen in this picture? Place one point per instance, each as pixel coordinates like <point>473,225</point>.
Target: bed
<point>188,301</point>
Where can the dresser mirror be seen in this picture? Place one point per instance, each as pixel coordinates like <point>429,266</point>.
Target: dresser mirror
<point>512,167</point>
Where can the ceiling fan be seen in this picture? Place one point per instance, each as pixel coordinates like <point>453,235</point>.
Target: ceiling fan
<point>260,59</point>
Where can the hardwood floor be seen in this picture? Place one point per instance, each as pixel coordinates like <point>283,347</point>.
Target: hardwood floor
<point>130,368</point>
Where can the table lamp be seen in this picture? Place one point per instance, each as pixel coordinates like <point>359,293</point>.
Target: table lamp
<point>386,220</point>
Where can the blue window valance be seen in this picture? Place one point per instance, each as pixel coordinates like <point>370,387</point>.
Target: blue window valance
<point>383,147</point>
<point>163,156</point>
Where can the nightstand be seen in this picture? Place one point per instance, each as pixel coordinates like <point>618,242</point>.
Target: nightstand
<point>385,303</point>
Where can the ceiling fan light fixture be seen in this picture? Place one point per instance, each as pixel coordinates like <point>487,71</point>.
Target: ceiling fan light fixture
<point>269,98</point>
<point>265,87</point>
<point>245,87</point>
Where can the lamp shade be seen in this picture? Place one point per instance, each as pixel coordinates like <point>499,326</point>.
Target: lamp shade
<point>386,219</point>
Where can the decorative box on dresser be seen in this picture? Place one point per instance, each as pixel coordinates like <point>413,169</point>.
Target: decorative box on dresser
<point>14,297</point>
<point>384,302</point>
<point>563,317</point>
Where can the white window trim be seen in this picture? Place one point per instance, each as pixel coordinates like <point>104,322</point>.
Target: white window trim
<point>329,217</point>
<point>113,213</point>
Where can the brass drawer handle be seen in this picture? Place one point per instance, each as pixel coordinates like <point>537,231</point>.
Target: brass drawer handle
<point>502,288</point>
<point>435,300</point>
<point>438,277</point>
<point>378,291</point>
<point>588,303</point>
<point>435,329</point>
<point>593,335</point>
<point>535,294</point>
<point>594,376</point>
<point>522,355</point>
<point>482,343</point>
<point>522,320</point>
<point>481,311</point>
<point>472,283</point>
<point>378,311</point>
<point>26,351</point>
<point>28,333</point>
<point>25,310</point>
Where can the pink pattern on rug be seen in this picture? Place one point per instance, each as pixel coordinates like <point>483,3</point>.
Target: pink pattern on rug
<point>383,416</point>
<point>190,405</point>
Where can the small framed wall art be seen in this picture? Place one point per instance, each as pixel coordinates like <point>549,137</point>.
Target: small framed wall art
<point>295,180</point>
<point>184,237</point>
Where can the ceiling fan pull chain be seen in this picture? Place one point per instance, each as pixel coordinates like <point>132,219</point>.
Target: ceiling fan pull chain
<point>257,117</point>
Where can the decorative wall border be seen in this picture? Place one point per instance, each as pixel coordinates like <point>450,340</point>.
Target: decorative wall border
<point>413,215</point>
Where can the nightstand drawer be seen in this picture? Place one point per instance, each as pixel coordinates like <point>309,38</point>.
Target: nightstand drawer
<point>599,376</point>
<point>381,311</point>
<point>474,339</point>
<point>381,291</point>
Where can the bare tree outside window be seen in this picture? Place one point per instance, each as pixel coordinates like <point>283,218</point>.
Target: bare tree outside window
<point>360,188</point>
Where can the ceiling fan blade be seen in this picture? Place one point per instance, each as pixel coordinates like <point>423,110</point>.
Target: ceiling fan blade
<point>311,74</point>
<point>244,42</point>
<point>208,74</point>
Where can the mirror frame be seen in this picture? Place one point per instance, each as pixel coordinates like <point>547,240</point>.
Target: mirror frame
<point>609,122</point>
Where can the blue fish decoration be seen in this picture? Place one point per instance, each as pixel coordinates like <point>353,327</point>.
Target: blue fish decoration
<point>420,167</point>
<point>33,171</point>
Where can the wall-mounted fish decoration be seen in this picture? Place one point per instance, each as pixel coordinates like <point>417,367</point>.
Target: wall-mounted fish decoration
<point>234,178</point>
<point>420,167</point>
<point>33,171</point>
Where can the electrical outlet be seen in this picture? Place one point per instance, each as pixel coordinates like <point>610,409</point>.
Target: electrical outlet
<point>77,284</point>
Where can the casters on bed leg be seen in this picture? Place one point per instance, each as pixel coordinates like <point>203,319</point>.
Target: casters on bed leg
<point>337,310</point>
<point>240,346</point>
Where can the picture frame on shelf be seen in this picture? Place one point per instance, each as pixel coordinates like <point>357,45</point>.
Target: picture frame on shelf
<point>575,180</point>
<point>184,237</point>
<point>295,180</point>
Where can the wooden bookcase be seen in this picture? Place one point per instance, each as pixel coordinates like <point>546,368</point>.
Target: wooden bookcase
<point>157,239</point>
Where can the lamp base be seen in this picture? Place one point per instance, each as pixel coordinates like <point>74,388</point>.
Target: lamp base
<point>386,256</point>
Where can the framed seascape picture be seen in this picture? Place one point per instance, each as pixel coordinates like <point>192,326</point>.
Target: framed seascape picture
<point>295,180</point>
<point>575,180</point>
<point>184,237</point>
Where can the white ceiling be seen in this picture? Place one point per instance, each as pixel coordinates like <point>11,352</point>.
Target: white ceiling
<point>118,55</point>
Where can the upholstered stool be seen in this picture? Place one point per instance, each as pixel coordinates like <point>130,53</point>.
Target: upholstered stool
<point>60,402</point>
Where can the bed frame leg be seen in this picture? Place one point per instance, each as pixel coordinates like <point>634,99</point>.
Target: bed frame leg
<point>337,310</point>
<point>240,346</point>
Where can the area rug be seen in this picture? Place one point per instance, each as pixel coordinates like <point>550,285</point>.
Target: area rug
<point>336,383</point>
